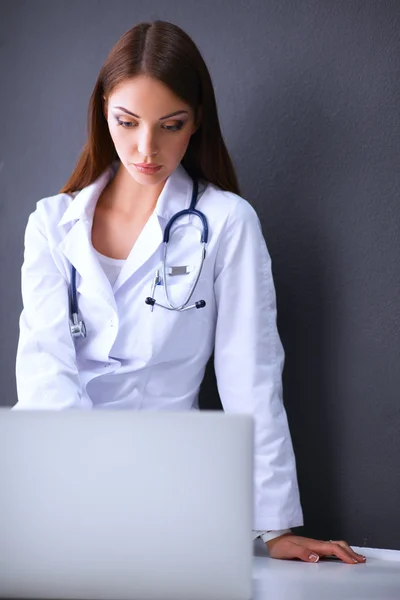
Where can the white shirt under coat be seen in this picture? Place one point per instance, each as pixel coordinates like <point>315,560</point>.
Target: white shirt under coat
<point>133,358</point>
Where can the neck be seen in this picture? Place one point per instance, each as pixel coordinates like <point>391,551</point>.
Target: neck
<point>127,196</point>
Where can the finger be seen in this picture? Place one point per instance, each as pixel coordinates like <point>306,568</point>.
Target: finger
<point>287,550</point>
<point>303,553</point>
<point>335,549</point>
<point>345,545</point>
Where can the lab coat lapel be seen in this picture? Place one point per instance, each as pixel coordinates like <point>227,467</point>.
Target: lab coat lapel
<point>77,248</point>
<point>146,245</point>
<point>76,244</point>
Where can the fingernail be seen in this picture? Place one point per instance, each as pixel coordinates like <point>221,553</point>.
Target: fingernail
<point>313,557</point>
<point>355,560</point>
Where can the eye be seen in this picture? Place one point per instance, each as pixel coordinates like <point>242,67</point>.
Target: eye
<point>132,124</point>
<point>126,124</point>
<point>176,127</point>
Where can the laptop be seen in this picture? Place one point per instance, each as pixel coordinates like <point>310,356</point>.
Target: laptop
<point>125,505</point>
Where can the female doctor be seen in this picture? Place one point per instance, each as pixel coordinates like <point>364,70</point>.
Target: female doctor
<point>112,322</point>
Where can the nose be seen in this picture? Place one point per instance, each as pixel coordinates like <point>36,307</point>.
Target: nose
<point>147,143</point>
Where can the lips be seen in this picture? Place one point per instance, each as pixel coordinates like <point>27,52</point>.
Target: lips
<point>147,165</point>
<point>147,169</point>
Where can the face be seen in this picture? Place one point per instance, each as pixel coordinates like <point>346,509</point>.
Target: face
<point>148,124</point>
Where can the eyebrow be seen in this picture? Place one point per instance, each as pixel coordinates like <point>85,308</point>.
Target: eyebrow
<point>177,112</point>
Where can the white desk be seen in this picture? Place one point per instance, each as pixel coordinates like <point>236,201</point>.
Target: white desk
<point>378,578</point>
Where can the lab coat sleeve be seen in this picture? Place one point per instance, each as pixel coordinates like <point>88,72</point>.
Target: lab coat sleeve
<point>267,536</point>
<point>46,372</point>
<point>249,360</point>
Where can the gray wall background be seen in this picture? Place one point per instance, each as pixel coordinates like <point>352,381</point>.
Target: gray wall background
<point>308,96</point>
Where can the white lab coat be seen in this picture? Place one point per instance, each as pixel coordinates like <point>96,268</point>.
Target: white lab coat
<point>139,359</point>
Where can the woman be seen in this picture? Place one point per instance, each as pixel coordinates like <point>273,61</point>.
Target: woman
<point>153,132</point>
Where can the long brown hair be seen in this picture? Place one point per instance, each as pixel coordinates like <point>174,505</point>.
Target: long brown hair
<point>165,52</point>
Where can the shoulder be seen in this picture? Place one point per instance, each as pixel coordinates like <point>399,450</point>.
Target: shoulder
<point>229,208</point>
<point>50,210</point>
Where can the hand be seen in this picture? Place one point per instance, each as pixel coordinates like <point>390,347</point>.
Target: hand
<point>289,546</point>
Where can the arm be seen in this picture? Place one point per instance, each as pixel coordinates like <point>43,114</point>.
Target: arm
<point>248,364</point>
<point>46,372</point>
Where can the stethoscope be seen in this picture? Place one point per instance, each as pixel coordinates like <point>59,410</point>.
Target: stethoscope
<point>78,328</point>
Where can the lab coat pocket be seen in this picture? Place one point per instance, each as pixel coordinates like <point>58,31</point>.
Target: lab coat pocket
<point>178,334</point>
<point>179,287</point>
